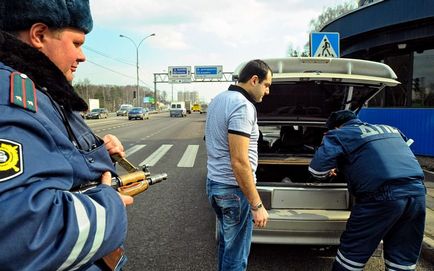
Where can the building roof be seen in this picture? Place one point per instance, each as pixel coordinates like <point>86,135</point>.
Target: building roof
<point>382,23</point>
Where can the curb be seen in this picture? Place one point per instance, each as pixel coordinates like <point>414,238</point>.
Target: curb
<point>429,175</point>
<point>428,249</point>
<point>427,252</point>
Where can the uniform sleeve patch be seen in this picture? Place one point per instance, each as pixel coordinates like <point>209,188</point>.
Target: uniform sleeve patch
<point>11,159</point>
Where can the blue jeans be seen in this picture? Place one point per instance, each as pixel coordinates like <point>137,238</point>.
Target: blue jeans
<point>235,225</point>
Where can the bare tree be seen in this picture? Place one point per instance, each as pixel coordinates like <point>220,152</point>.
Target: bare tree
<point>294,52</point>
<point>331,13</point>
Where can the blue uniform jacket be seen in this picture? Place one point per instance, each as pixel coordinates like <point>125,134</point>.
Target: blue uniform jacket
<point>45,226</point>
<point>369,156</point>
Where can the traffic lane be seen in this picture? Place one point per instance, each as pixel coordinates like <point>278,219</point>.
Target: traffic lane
<point>170,228</point>
<point>146,132</point>
<point>102,126</point>
<point>169,225</point>
<point>172,133</point>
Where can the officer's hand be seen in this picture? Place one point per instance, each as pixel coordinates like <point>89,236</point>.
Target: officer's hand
<point>260,217</point>
<point>113,145</point>
<point>106,178</point>
<point>333,172</point>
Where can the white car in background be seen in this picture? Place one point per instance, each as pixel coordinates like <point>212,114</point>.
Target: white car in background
<point>177,109</point>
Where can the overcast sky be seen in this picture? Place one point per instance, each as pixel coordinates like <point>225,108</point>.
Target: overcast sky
<point>191,33</point>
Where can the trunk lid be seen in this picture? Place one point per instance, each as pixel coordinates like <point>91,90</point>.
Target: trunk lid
<point>309,89</point>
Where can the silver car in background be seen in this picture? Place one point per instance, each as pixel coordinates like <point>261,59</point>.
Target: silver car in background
<point>97,113</point>
<point>138,113</point>
<point>292,122</point>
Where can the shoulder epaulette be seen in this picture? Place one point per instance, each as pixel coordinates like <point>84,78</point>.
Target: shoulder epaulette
<point>23,92</point>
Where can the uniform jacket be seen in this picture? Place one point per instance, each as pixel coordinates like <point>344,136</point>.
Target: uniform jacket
<point>369,156</point>
<point>46,151</point>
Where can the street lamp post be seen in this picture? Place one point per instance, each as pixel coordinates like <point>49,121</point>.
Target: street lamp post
<point>137,61</point>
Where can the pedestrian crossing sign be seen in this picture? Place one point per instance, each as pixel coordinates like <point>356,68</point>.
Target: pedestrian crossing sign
<point>324,44</point>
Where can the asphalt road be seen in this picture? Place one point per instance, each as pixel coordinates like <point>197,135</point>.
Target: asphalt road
<point>171,226</point>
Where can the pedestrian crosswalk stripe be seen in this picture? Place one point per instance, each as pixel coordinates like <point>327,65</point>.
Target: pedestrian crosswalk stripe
<point>156,155</point>
<point>189,156</point>
<point>134,149</point>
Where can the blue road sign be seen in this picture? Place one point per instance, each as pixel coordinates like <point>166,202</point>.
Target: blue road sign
<point>208,72</point>
<point>180,71</point>
<point>205,70</point>
<point>324,44</point>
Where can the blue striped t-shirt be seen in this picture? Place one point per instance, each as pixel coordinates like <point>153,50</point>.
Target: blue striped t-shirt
<point>231,111</point>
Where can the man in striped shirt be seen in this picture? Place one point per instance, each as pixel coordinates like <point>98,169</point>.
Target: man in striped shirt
<point>231,136</point>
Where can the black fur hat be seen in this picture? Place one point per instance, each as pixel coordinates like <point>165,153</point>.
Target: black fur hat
<point>338,118</point>
<point>16,15</point>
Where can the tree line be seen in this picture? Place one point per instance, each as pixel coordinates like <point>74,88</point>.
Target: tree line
<point>112,96</point>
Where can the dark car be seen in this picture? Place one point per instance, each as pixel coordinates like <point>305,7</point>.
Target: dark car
<point>138,113</point>
<point>97,113</point>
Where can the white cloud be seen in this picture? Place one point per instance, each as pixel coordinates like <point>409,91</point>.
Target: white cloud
<point>194,32</point>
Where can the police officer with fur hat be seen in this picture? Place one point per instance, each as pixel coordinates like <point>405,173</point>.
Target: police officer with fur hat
<point>387,182</point>
<point>47,151</point>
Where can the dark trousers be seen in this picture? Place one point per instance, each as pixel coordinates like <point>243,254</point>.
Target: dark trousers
<point>399,223</point>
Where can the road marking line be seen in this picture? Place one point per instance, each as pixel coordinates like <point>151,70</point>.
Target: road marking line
<point>189,156</point>
<point>156,155</point>
<point>134,149</point>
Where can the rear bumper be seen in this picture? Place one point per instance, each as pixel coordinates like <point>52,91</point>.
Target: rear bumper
<point>303,227</point>
<point>138,116</point>
<point>177,113</point>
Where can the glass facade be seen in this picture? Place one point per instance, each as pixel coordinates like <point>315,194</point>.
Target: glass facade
<point>415,71</point>
<point>423,79</point>
<point>399,33</point>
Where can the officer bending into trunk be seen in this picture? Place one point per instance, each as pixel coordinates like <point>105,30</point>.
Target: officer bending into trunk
<point>387,181</point>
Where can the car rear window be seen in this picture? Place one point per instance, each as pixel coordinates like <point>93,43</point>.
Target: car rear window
<point>309,100</point>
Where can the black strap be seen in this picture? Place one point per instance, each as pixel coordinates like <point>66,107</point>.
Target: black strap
<point>61,110</point>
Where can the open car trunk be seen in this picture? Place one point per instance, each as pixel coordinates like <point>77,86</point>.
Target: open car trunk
<point>283,179</point>
<point>292,123</point>
<point>285,152</point>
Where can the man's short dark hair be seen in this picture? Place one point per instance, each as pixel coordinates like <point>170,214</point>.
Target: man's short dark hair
<point>254,67</point>
<point>338,118</point>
